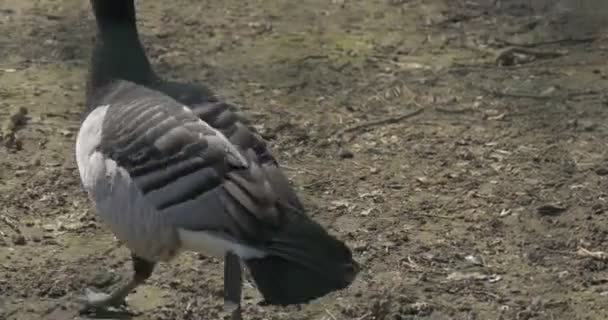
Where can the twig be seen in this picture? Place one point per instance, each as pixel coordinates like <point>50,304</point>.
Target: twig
<point>543,43</point>
<point>364,316</point>
<point>412,265</point>
<point>433,216</point>
<point>311,57</point>
<point>316,183</point>
<point>388,120</point>
<point>599,255</point>
<point>541,64</point>
<point>300,169</point>
<point>10,224</point>
<point>331,315</point>
<point>487,293</point>
<point>507,57</point>
<point>459,18</point>
<point>117,245</point>
<point>361,165</point>
<point>502,94</point>
<point>455,111</point>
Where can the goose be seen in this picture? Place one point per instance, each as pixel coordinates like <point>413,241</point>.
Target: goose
<point>171,168</point>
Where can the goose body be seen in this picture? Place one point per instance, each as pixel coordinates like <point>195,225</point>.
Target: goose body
<point>143,205</point>
<point>169,168</point>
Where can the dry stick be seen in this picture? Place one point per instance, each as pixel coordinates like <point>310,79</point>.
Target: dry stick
<point>433,216</point>
<point>501,94</point>
<point>599,255</point>
<point>456,111</point>
<point>538,65</point>
<point>487,293</point>
<point>436,216</point>
<point>314,184</point>
<point>509,52</point>
<point>388,120</point>
<point>543,43</point>
<point>10,224</point>
<point>312,57</point>
<point>300,169</point>
<point>365,316</point>
<point>331,315</point>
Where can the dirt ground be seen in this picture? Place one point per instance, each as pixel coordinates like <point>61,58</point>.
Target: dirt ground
<point>470,179</point>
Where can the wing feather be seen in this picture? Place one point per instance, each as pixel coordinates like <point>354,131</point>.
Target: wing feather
<point>187,170</point>
<point>223,116</point>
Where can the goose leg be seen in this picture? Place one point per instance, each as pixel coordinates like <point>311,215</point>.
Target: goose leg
<point>142,271</point>
<point>232,285</point>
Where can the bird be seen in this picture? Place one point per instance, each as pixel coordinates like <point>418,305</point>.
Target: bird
<point>170,168</point>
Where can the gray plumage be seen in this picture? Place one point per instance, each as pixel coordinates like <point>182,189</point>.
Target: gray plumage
<point>152,168</point>
<point>164,181</point>
<point>169,167</point>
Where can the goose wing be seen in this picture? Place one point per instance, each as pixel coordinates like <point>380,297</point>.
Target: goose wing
<point>187,170</point>
<point>227,119</point>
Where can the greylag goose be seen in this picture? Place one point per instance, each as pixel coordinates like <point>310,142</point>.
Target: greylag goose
<point>169,168</point>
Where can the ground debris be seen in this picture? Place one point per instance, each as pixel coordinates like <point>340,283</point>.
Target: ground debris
<point>16,119</point>
<point>516,56</point>
<point>384,121</point>
<point>475,276</point>
<point>19,240</point>
<point>602,171</point>
<point>345,153</point>
<point>423,197</point>
<point>599,255</point>
<point>550,209</point>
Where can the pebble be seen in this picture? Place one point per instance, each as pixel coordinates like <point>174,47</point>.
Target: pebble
<point>19,240</point>
<point>602,171</point>
<point>345,154</point>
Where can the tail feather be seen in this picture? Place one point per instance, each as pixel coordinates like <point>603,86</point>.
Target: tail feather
<point>304,263</point>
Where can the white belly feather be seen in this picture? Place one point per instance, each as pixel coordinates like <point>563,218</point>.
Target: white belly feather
<point>210,244</point>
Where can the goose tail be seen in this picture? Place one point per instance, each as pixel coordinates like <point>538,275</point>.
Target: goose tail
<point>303,263</point>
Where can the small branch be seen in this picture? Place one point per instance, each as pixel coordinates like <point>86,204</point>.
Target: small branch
<point>388,120</point>
<point>502,94</point>
<point>300,169</point>
<point>316,183</point>
<point>454,111</point>
<point>549,42</point>
<point>311,57</point>
<point>486,293</point>
<point>456,67</point>
<point>433,216</point>
<point>509,56</point>
<point>459,18</point>
<point>365,315</point>
<point>331,315</point>
<point>599,255</point>
<point>10,224</point>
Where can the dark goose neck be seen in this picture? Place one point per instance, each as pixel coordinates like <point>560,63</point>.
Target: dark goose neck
<point>118,53</point>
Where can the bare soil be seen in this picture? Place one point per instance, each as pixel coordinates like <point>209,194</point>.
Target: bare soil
<point>459,147</point>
